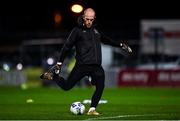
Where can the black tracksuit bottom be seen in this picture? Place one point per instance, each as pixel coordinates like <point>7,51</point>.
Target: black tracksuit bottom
<point>79,71</point>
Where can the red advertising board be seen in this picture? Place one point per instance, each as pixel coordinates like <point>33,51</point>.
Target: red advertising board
<point>143,77</point>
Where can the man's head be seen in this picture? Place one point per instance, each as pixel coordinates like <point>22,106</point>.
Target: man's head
<point>89,16</point>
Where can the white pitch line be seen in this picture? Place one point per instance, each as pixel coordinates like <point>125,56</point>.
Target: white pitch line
<point>122,116</point>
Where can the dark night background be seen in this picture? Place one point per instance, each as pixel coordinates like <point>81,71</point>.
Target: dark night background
<point>21,17</point>
<point>24,20</point>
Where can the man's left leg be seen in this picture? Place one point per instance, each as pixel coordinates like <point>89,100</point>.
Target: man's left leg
<point>98,77</point>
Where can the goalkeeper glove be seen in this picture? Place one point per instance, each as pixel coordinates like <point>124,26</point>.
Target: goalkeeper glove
<point>125,47</point>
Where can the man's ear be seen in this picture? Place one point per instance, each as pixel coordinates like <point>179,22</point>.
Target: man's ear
<point>80,20</point>
<point>83,16</point>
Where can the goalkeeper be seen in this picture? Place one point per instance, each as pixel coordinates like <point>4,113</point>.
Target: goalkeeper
<point>87,41</point>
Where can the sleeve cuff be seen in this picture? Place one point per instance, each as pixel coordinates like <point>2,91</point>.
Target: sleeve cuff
<point>59,63</point>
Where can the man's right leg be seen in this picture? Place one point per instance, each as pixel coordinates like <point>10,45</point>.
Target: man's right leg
<point>98,78</point>
<point>76,74</point>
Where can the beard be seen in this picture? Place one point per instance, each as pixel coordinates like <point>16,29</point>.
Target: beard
<point>88,25</point>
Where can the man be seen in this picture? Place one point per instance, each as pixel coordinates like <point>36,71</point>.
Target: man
<point>87,41</point>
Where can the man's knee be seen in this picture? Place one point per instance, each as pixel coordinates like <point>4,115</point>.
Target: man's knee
<point>66,88</point>
<point>100,75</point>
<point>100,83</point>
<point>61,82</point>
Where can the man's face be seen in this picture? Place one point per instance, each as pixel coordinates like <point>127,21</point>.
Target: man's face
<point>89,17</point>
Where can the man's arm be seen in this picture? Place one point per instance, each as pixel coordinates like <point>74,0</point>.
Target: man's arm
<point>109,41</point>
<point>67,46</point>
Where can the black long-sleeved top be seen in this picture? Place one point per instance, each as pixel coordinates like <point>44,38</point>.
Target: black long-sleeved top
<point>87,42</point>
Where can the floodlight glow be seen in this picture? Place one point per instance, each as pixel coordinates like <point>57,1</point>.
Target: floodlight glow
<point>57,18</point>
<point>76,8</point>
<point>6,67</point>
<point>50,61</point>
<point>19,66</point>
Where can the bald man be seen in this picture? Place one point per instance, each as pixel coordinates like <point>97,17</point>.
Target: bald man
<point>87,41</point>
<point>89,16</point>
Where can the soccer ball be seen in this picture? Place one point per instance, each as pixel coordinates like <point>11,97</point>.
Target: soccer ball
<point>77,108</point>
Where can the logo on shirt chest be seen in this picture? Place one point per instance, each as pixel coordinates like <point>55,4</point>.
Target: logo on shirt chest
<point>96,31</point>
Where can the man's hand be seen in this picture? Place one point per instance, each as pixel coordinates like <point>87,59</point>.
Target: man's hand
<point>57,67</point>
<point>125,47</point>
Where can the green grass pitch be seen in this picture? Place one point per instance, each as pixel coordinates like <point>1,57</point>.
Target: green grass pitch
<point>123,103</point>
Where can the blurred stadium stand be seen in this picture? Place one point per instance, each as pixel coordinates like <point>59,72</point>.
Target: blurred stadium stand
<point>29,35</point>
